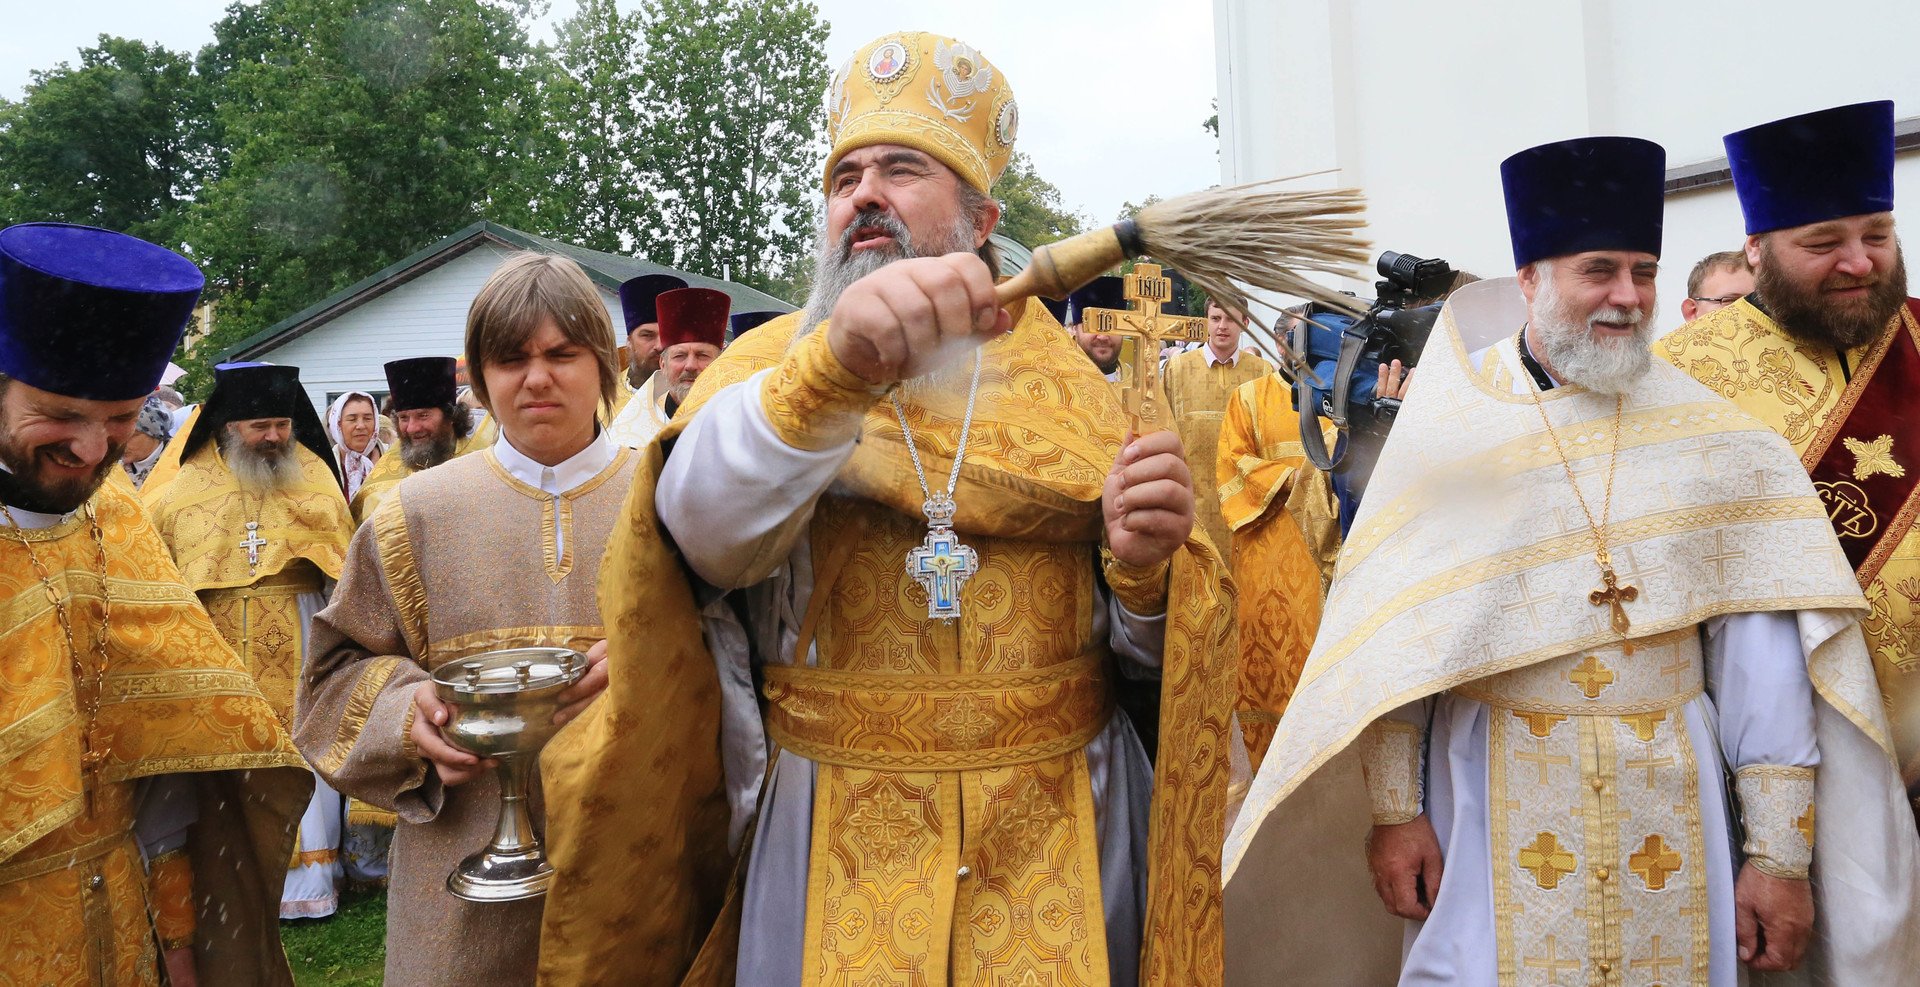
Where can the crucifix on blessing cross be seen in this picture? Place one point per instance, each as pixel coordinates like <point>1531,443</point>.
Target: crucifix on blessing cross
<point>1142,321</point>
<point>941,565</point>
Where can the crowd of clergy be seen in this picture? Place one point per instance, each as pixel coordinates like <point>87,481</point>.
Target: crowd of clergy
<point>907,661</point>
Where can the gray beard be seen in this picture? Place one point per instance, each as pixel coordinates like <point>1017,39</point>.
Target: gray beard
<point>427,453</point>
<point>1609,366</point>
<point>259,472</point>
<point>836,266</point>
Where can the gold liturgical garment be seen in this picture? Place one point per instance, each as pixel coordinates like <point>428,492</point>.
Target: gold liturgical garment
<point>460,559</point>
<point>76,905</point>
<point>1807,393</point>
<point>1285,528</point>
<point>945,745</point>
<point>251,578</point>
<point>1198,391</point>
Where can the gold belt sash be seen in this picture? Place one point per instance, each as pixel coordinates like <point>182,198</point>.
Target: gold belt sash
<point>21,870</point>
<point>921,722</point>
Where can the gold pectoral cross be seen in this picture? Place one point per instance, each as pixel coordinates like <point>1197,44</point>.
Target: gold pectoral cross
<point>1613,595</point>
<point>1149,328</point>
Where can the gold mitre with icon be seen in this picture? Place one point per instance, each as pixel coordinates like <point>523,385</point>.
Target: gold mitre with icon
<point>931,93</point>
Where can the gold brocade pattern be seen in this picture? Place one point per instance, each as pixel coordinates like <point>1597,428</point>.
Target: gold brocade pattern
<point>262,624</point>
<point>1198,392</point>
<point>1032,473</point>
<point>884,898</point>
<point>202,515</point>
<point>1795,388</point>
<point>941,722</point>
<point>81,917</point>
<point>1285,529</point>
<point>175,699</point>
<point>1046,429</point>
<point>929,92</point>
<point>1776,803</point>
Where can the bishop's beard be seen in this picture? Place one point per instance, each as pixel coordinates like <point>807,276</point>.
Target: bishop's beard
<point>267,468</point>
<point>837,265</point>
<point>1607,366</point>
<point>1809,315</point>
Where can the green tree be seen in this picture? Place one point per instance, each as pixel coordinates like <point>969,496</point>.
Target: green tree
<point>355,133</point>
<point>731,92</point>
<point>1030,208</point>
<point>595,114</point>
<point>103,143</point>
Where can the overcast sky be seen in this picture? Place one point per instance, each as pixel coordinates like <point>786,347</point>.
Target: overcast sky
<point>1112,92</point>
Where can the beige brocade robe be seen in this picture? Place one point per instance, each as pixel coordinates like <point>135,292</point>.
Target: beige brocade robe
<point>459,560</point>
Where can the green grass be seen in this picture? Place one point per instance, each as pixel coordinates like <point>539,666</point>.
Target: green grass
<point>347,950</point>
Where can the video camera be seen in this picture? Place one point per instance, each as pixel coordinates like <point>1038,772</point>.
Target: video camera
<point>1346,352</point>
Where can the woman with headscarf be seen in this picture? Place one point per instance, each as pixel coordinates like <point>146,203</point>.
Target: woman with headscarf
<point>352,424</point>
<point>150,434</point>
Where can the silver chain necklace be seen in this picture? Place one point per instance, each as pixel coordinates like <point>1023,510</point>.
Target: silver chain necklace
<point>941,565</point>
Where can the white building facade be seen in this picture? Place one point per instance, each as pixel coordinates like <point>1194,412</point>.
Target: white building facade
<point>1417,102</point>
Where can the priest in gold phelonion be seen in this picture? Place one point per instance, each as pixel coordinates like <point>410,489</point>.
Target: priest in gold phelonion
<point>256,520</point>
<point>148,790</point>
<point>1592,665</point>
<point>912,527</point>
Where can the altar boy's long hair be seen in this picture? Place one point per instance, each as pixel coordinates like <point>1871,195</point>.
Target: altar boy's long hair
<point>526,290</point>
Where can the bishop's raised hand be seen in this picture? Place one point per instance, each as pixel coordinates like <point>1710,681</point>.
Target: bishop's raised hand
<point>915,316</point>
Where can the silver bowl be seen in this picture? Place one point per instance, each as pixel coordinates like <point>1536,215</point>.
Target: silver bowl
<point>502,706</point>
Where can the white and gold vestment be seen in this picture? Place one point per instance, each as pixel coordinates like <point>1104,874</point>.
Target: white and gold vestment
<point>1575,777</point>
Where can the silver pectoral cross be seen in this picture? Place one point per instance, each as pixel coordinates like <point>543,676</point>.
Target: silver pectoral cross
<point>942,565</point>
<point>253,543</point>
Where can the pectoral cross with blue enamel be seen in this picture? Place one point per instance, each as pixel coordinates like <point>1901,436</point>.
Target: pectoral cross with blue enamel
<point>253,543</point>
<point>941,565</point>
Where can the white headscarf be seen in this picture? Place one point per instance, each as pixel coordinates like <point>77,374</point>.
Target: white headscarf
<point>354,466</point>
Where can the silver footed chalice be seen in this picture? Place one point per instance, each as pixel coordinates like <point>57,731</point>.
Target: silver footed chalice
<point>502,707</point>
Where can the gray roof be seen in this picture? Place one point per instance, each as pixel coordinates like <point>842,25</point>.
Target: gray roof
<point>606,270</point>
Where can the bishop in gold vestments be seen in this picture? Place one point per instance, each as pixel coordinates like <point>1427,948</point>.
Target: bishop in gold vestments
<point>148,793</point>
<point>919,800</point>
<point>1817,191</point>
<point>1285,529</point>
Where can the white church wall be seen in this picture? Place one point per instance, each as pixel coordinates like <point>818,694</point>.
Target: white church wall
<point>423,317</point>
<point>1417,102</point>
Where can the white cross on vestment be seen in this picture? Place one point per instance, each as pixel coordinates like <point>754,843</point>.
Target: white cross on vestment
<point>253,544</point>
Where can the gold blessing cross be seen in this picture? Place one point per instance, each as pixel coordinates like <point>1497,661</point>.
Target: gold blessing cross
<point>1142,321</point>
<point>1614,595</point>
